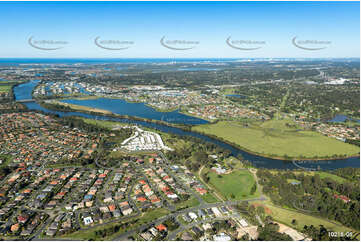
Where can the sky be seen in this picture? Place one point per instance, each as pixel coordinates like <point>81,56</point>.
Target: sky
<point>265,29</point>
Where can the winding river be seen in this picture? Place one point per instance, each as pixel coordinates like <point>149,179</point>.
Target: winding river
<point>140,110</point>
<point>23,91</point>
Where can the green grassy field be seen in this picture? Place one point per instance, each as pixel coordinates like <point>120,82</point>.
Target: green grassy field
<point>275,139</point>
<point>5,88</point>
<point>286,216</point>
<point>192,202</point>
<point>103,123</point>
<point>332,176</point>
<point>210,198</point>
<point>228,91</point>
<point>6,160</point>
<point>324,175</point>
<point>292,180</point>
<point>239,183</point>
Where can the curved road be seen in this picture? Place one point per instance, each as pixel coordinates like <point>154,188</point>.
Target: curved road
<point>125,235</point>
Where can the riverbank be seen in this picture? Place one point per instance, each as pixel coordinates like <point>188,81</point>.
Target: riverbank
<point>85,97</point>
<point>92,111</point>
<point>256,160</point>
<point>162,110</point>
<point>196,116</point>
<point>274,140</point>
<point>165,110</point>
<point>65,107</point>
<point>75,107</point>
<point>287,157</point>
<point>13,85</point>
<point>24,90</point>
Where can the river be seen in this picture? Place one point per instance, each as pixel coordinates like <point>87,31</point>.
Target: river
<point>23,91</point>
<point>141,110</point>
<point>342,118</point>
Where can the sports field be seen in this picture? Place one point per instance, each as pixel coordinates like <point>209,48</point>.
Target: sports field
<point>239,183</point>
<point>279,139</point>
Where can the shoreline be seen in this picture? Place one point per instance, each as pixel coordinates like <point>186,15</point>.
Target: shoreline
<point>106,113</point>
<point>273,157</point>
<point>161,110</point>
<point>76,107</point>
<point>128,101</point>
<point>196,116</point>
<point>189,128</point>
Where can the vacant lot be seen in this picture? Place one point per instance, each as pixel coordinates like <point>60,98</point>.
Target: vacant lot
<point>279,139</point>
<point>103,123</point>
<point>239,183</point>
<point>286,216</point>
<point>210,198</point>
<point>323,174</point>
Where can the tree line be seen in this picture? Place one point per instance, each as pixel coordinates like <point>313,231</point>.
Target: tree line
<point>314,195</point>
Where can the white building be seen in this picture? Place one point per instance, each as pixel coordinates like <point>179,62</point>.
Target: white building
<point>192,215</point>
<point>221,237</point>
<point>216,211</point>
<point>88,220</point>
<point>243,223</point>
<point>143,140</point>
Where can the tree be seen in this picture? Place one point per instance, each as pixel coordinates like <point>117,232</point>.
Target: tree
<point>269,233</point>
<point>245,237</point>
<point>254,188</point>
<point>260,210</point>
<point>239,156</point>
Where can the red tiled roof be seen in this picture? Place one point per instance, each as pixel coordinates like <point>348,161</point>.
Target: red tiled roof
<point>161,227</point>
<point>141,199</point>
